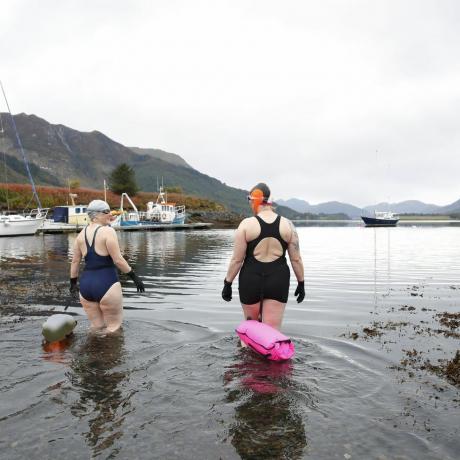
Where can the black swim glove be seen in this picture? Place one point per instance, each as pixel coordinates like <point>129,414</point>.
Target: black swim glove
<point>73,288</point>
<point>227,291</point>
<point>300,291</point>
<point>137,281</point>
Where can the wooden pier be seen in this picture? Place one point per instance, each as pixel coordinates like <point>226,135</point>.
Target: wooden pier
<point>54,227</point>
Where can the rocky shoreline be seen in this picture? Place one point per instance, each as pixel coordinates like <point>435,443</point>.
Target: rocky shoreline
<point>218,218</point>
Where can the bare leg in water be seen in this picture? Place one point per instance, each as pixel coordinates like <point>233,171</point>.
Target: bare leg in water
<point>112,308</point>
<point>108,313</point>
<point>272,313</point>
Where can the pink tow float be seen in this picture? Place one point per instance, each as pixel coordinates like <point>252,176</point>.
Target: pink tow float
<point>266,340</point>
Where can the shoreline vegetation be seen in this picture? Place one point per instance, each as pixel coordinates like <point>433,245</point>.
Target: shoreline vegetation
<point>17,197</point>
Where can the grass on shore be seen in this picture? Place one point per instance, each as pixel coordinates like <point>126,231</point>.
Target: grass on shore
<point>18,197</point>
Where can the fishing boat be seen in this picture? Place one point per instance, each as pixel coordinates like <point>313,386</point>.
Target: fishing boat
<point>67,218</point>
<point>381,219</point>
<point>160,212</point>
<point>21,224</point>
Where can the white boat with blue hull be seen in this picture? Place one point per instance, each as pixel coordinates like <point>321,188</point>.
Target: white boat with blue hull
<point>160,213</point>
<point>381,219</point>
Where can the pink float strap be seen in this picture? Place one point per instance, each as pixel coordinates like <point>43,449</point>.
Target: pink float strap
<point>265,340</point>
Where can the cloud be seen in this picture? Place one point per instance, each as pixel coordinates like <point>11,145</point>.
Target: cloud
<point>302,94</point>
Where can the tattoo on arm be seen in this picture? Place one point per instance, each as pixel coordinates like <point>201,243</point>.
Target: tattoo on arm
<point>294,238</point>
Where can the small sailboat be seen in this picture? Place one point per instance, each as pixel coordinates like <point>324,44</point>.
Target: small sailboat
<point>21,224</point>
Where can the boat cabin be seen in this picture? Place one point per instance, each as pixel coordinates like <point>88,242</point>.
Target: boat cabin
<point>71,214</point>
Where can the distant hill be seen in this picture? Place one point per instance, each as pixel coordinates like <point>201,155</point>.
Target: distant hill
<point>330,207</point>
<point>453,208</point>
<point>406,207</point>
<point>57,153</point>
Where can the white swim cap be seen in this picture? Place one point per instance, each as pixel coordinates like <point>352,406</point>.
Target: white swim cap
<point>98,206</point>
<point>95,207</point>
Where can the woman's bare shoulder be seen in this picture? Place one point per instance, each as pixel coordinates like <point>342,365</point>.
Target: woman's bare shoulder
<point>81,235</point>
<point>107,230</point>
<point>247,222</point>
<point>286,228</point>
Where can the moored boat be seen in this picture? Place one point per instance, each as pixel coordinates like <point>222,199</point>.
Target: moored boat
<point>160,212</point>
<point>20,225</point>
<point>381,219</point>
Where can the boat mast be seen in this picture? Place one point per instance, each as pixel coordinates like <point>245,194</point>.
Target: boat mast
<point>2,132</point>
<point>22,149</point>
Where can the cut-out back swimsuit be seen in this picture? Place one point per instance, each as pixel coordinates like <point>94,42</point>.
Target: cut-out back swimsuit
<point>264,280</point>
<point>99,274</point>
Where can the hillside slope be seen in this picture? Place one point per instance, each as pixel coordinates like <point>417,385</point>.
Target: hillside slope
<point>57,153</point>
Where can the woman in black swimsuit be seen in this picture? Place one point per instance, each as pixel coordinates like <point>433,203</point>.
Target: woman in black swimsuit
<point>259,256</point>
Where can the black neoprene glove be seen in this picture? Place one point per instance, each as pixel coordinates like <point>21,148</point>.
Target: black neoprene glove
<point>227,291</point>
<point>137,281</point>
<point>300,291</point>
<point>73,288</point>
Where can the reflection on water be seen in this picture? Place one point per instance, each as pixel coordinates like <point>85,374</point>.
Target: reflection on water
<point>175,384</point>
<point>95,372</point>
<point>267,422</point>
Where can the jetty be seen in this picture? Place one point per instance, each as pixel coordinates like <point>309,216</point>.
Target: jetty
<point>60,227</point>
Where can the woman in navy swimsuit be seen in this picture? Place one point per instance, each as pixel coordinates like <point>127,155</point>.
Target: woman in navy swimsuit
<point>259,256</point>
<point>100,289</point>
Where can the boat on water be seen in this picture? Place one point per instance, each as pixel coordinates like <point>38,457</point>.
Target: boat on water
<point>381,219</point>
<point>20,224</point>
<point>73,216</point>
<point>160,212</point>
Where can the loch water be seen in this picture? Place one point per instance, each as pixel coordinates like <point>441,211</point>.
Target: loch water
<point>175,384</point>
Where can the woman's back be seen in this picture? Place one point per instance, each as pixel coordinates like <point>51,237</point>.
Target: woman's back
<point>98,243</point>
<point>270,247</point>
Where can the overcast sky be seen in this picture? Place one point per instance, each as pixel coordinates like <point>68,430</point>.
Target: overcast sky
<point>356,101</point>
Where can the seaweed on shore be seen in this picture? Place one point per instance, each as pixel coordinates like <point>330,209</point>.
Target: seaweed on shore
<point>448,326</point>
<point>450,320</point>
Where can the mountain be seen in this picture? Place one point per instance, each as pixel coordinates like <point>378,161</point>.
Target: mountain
<point>329,207</point>
<point>296,204</point>
<point>162,155</point>
<point>403,207</point>
<point>453,208</point>
<point>406,207</point>
<point>57,153</point>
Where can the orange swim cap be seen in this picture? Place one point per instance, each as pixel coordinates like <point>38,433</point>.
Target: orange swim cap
<point>259,195</point>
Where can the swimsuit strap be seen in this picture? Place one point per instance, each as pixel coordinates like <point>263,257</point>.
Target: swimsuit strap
<point>269,229</point>
<point>94,236</point>
<point>86,239</point>
<point>90,246</point>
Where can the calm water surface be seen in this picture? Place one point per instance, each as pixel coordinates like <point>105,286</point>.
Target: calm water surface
<point>175,384</point>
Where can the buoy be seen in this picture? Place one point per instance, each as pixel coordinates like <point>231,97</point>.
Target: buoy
<point>266,340</point>
<point>57,327</point>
